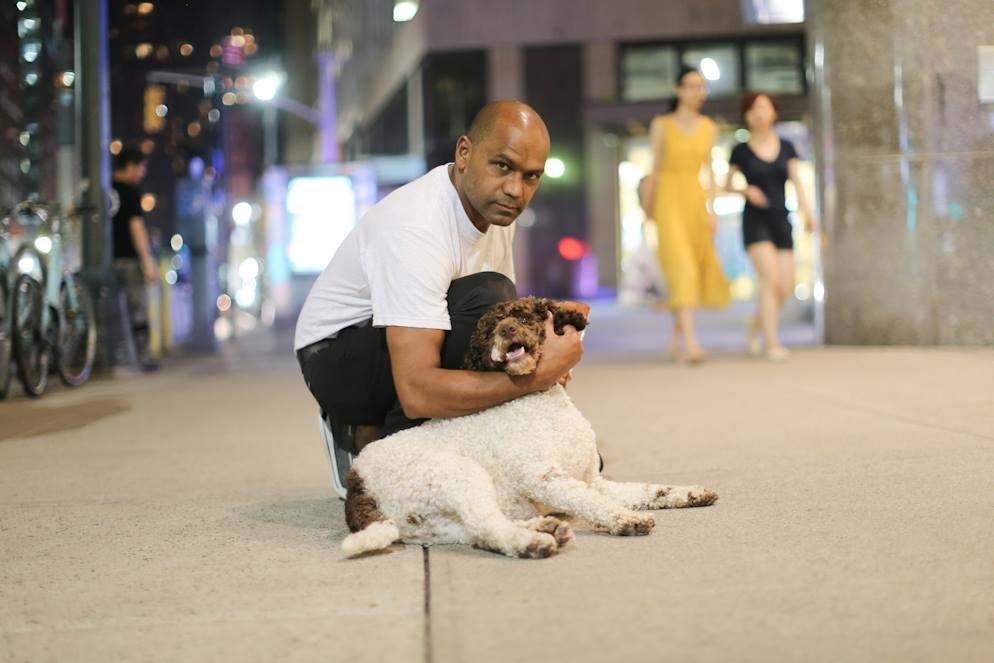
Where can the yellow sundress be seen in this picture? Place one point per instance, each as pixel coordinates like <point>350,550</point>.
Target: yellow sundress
<point>694,277</point>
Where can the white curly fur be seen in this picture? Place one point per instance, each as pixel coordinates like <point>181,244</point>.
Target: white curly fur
<point>490,480</point>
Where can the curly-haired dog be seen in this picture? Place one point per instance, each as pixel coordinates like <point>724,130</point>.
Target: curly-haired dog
<point>491,479</point>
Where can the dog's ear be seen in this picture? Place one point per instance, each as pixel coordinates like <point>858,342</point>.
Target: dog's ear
<point>477,356</point>
<point>569,313</point>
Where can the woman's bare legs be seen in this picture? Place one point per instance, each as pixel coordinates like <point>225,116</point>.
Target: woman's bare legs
<point>767,264</point>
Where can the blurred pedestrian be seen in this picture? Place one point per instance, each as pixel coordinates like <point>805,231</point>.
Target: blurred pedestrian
<point>767,161</point>
<point>681,144</point>
<point>134,263</point>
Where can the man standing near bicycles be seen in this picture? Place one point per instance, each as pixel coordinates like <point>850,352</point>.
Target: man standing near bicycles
<point>133,261</point>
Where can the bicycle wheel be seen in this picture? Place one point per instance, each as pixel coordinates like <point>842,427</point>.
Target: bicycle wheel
<point>30,353</point>
<point>5,341</point>
<point>77,342</point>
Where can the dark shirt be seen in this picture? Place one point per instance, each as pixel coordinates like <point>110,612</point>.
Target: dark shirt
<point>769,176</point>
<point>128,207</point>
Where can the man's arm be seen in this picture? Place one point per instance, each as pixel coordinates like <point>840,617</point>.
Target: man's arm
<point>139,238</point>
<point>426,390</point>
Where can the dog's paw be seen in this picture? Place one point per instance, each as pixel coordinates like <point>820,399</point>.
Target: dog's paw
<point>698,496</point>
<point>634,524</point>
<point>679,497</point>
<point>560,531</point>
<point>540,546</point>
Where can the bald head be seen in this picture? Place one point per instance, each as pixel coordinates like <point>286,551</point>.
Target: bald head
<point>499,115</point>
<point>499,162</point>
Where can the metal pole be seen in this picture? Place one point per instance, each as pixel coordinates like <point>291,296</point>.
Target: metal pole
<point>326,103</point>
<point>93,111</point>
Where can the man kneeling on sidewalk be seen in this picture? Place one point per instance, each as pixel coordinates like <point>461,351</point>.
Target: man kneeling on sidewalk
<point>382,334</point>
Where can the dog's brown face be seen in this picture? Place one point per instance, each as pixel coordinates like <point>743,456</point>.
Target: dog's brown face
<point>509,337</point>
<point>517,346</point>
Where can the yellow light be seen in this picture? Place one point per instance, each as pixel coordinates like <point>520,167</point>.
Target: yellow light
<point>238,41</point>
<point>143,50</point>
<point>186,49</point>
<point>148,146</point>
<point>193,129</point>
<point>145,8</point>
<point>250,49</point>
<point>115,146</point>
<point>148,202</point>
<point>229,98</point>
<point>215,51</point>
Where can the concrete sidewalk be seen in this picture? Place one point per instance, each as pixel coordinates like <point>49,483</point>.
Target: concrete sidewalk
<point>188,516</point>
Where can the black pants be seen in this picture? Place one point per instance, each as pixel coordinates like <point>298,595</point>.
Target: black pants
<point>350,375</point>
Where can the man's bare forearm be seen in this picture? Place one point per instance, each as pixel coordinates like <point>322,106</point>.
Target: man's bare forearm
<point>439,392</point>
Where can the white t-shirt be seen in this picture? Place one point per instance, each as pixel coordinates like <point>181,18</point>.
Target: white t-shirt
<point>398,262</point>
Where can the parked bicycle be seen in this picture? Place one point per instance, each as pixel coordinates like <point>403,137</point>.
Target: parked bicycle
<point>52,320</point>
<point>9,277</point>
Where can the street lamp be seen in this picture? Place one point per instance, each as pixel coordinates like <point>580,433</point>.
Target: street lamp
<point>267,85</point>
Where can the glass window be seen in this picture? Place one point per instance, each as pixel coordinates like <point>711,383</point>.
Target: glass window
<point>648,73</point>
<point>719,64</point>
<point>774,67</point>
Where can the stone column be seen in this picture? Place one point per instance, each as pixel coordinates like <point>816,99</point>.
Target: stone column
<point>905,155</point>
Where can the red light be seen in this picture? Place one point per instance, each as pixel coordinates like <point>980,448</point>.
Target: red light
<point>570,248</point>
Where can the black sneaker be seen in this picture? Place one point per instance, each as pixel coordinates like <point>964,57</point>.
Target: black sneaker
<point>337,441</point>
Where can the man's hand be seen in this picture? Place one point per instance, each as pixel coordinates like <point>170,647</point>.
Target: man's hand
<point>559,355</point>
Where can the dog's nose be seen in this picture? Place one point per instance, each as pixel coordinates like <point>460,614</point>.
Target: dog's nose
<point>509,330</point>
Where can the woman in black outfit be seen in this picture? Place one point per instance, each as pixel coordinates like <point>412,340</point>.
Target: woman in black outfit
<point>767,162</point>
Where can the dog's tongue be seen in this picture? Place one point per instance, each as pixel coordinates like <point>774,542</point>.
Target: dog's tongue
<point>515,354</point>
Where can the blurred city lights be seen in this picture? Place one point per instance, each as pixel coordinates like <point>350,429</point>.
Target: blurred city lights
<point>186,50</point>
<point>238,41</point>
<point>28,264</point>
<point>115,146</point>
<point>214,115</point>
<point>223,303</point>
<point>148,146</point>
<point>145,8</point>
<point>404,10</point>
<point>249,269</point>
<point>710,69</point>
<point>193,129</point>
<point>229,98</point>
<point>819,291</point>
<point>570,248</point>
<point>68,77</point>
<point>171,277</point>
<point>266,86</point>
<point>742,135</point>
<point>241,213</point>
<point>629,173</point>
<point>148,202</point>
<point>176,242</point>
<point>245,296</point>
<point>21,6</point>
<point>143,50</point>
<point>216,50</point>
<point>555,168</point>
<point>222,328</point>
<point>801,291</point>
<point>161,110</point>
<point>44,244</point>
<point>24,138</point>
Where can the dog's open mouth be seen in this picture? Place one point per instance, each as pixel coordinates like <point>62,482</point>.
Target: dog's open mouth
<point>515,351</point>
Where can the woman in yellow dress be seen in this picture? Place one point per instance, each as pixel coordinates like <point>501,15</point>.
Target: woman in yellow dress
<point>681,146</point>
